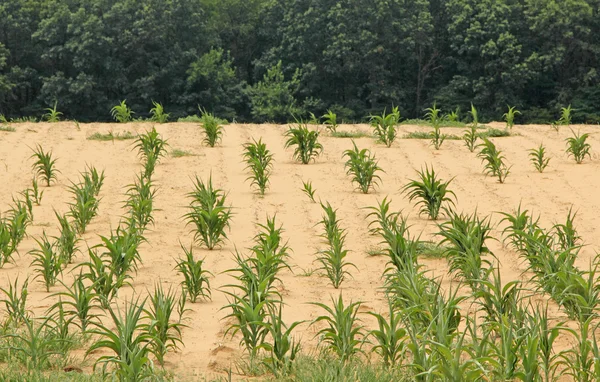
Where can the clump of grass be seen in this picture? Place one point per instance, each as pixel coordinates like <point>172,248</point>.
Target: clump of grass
<point>494,133</point>
<point>494,160</point>
<point>363,168</point>
<point>538,158</point>
<point>349,134</point>
<point>110,136</point>
<point>44,165</point>
<point>122,113</point>
<point>8,129</point>
<point>260,162</point>
<point>195,284</point>
<point>577,147</point>
<point>385,126</point>
<point>158,113</point>
<point>213,131</point>
<point>305,142</point>
<point>431,193</point>
<point>52,115</point>
<point>208,214</point>
<point>330,121</point>
<point>427,135</point>
<point>178,153</point>
<point>308,189</point>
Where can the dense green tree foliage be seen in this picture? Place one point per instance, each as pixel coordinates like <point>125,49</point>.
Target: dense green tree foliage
<point>264,60</point>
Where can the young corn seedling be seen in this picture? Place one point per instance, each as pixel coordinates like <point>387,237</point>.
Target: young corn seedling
<point>7,246</point>
<point>308,189</point>
<point>44,165</point>
<point>158,113</point>
<point>78,302</point>
<point>259,161</point>
<point>269,254</point>
<point>510,115</point>
<point>474,116</point>
<point>538,158</point>
<point>122,113</point>
<point>67,241</point>
<point>195,278</point>
<point>494,160</point>
<point>47,261</point>
<point>577,147</point>
<point>15,302</point>
<point>465,237</point>
<point>431,193</point>
<point>213,131</point>
<point>283,349</point>
<point>35,192</point>
<point>332,260</point>
<point>389,336</point>
<point>151,148</point>
<point>565,116</point>
<point>306,142</point>
<point>165,332</point>
<point>385,126</point>
<point>209,215</point>
<point>85,206</point>
<point>127,341</point>
<point>52,115</point>
<point>566,234</point>
<point>105,282</point>
<point>330,119</point>
<point>140,202</point>
<point>363,168</point>
<point>343,334</point>
<point>121,250</point>
<point>470,137</point>
<point>18,221</point>
<point>37,343</point>
<point>433,116</point>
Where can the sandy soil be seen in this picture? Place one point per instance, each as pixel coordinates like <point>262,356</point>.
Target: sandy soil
<point>206,351</point>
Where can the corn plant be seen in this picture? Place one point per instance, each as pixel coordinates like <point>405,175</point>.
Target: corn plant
<point>195,283</point>
<point>363,168</point>
<point>47,261</point>
<point>93,179</point>
<point>7,246</point>
<point>385,126</point>
<point>269,253</point>
<point>85,206</point>
<point>128,344</point>
<point>67,241</point>
<point>343,333</point>
<point>105,281</point>
<point>259,161</point>
<point>431,193</point>
<point>566,233</point>
<point>494,160</point>
<point>78,302</point>
<point>151,148</point>
<point>35,192</point>
<point>44,165</point>
<point>121,112</point>
<point>15,302</point>
<point>140,202</point>
<point>510,115</point>
<point>330,119</point>
<point>306,142</point>
<point>433,116</point>
<point>465,239</point>
<point>565,116</point>
<point>474,116</point>
<point>538,158</point>
<point>282,349</point>
<point>17,221</point>
<point>582,361</point>
<point>209,215</point>
<point>333,259</point>
<point>213,131</point>
<point>158,113</point>
<point>577,147</point>
<point>389,336</point>
<point>470,137</point>
<point>165,333</point>
<point>121,250</point>
<point>308,189</point>
<point>52,115</point>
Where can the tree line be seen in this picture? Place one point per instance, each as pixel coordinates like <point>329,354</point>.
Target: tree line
<point>266,60</point>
